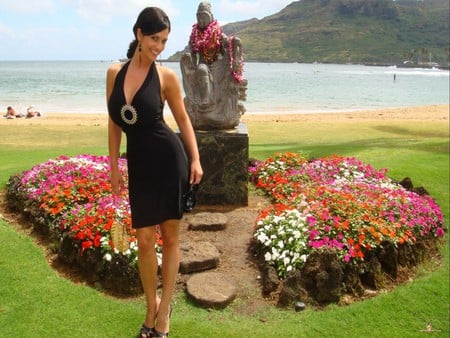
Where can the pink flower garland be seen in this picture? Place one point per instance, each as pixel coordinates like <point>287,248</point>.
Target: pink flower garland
<point>236,67</point>
<point>208,42</point>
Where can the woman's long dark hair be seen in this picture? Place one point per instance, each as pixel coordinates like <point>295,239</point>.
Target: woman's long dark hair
<point>151,20</point>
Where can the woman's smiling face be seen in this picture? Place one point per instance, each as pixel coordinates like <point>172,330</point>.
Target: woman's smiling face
<point>152,45</point>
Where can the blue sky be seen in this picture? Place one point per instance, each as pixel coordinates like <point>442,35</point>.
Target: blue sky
<point>102,29</point>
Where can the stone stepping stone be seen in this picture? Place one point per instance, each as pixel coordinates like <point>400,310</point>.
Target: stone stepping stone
<point>208,221</point>
<point>199,257</point>
<point>211,289</point>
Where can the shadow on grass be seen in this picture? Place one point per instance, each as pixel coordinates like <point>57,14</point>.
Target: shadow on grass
<point>265,150</point>
<point>405,131</point>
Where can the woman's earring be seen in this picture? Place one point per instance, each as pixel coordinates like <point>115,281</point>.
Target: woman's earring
<point>140,50</point>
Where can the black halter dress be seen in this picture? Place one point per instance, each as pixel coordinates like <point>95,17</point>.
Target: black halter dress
<point>158,168</point>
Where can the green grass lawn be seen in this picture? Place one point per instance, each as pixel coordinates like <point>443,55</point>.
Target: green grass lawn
<point>36,302</point>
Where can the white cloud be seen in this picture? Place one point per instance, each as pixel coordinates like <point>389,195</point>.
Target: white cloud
<point>91,29</point>
<point>107,11</point>
<point>6,31</point>
<point>27,7</point>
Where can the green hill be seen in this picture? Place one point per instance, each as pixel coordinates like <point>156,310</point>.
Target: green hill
<point>349,31</point>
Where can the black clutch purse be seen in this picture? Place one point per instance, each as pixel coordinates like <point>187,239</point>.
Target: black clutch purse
<point>190,198</point>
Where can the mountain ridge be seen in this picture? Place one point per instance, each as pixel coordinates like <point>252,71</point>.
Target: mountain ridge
<point>348,31</point>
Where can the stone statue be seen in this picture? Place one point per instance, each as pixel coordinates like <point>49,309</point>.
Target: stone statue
<point>212,71</point>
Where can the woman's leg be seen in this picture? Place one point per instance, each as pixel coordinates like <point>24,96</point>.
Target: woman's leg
<point>148,270</point>
<point>170,266</point>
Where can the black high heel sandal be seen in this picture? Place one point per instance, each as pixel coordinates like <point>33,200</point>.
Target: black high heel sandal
<point>146,332</point>
<point>159,334</point>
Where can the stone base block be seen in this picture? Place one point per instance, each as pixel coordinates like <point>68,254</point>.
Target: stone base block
<point>224,158</point>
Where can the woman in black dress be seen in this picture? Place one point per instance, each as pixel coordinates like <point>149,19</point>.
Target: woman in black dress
<point>158,168</point>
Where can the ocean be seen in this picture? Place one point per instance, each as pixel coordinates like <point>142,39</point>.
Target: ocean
<point>79,86</point>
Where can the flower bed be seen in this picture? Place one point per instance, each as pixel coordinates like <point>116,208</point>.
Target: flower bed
<point>69,200</point>
<point>360,219</point>
<point>338,205</point>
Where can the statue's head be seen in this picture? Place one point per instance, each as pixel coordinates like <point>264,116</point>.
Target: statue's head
<point>204,14</point>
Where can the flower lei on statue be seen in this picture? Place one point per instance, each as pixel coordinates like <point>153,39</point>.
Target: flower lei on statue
<point>236,66</point>
<point>208,42</point>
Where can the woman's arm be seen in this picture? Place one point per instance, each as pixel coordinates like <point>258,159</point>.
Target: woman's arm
<point>114,134</point>
<point>171,91</point>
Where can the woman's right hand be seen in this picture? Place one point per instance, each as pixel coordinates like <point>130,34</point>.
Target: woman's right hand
<point>116,182</point>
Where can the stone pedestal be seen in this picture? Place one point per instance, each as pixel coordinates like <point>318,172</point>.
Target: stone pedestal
<point>224,158</point>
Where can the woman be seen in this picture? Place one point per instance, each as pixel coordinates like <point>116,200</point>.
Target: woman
<point>158,168</point>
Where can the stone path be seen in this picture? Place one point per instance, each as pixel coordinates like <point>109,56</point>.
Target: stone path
<point>206,288</point>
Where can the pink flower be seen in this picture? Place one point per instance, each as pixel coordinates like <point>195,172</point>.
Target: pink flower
<point>311,220</point>
<point>440,232</point>
<point>316,244</point>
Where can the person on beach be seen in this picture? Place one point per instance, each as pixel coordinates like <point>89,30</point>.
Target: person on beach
<point>159,169</point>
<point>11,113</point>
<point>31,112</point>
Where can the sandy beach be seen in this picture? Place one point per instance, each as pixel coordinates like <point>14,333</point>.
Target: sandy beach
<point>421,113</point>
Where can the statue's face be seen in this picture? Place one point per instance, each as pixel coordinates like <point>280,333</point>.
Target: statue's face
<point>203,19</point>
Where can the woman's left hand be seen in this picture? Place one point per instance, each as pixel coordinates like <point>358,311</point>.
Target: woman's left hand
<point>196,172</point>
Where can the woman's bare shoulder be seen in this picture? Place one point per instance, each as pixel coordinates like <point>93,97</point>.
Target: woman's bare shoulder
<point>111,75</point>
<point>114,68</point>
<point>166,72</point>
<point>168,77</point>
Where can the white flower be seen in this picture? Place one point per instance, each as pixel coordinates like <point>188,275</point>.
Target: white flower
<point>275,253</point>
<point>358,175</point>
<point>303,203</point>
<point>277,219</point>
<point>268,257</point>
<point>262,237</point>
<point>107,257</point>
